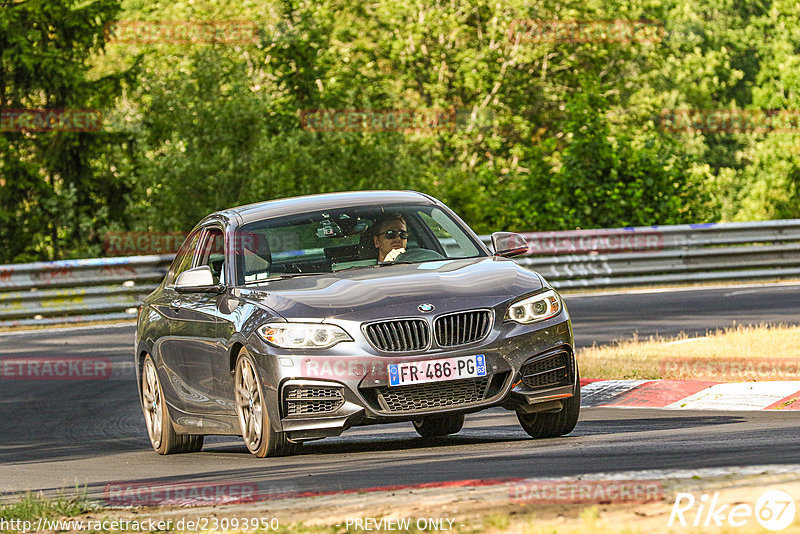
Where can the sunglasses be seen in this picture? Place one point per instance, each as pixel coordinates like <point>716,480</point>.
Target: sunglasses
<point>393,234</point>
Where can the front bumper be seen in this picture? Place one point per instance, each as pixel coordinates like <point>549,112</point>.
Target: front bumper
<point>529,368</point>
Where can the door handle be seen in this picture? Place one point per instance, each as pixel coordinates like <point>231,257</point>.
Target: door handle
<point>175,304</point>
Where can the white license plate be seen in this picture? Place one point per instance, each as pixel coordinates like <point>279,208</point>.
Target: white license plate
<point>401,374</point>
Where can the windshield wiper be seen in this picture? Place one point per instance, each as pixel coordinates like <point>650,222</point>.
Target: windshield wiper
<point>401,262</point>
<point>293,275</point>
<point>355,267</point>
<point>407,262</point>
<point>282,276</point>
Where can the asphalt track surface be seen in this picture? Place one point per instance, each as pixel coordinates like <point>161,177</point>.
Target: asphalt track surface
<point>604,317</point>
<point>61,434</point>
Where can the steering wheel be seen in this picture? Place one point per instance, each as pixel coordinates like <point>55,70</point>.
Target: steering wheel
<point>419,254</point>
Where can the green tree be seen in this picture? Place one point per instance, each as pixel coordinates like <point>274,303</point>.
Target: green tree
<point>56,190</point>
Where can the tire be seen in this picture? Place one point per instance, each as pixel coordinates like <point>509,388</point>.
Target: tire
<point>261,440</point>
<point>551,425</point>
<point>195,443</point>
<point>160,429</point>
<point>437,426</point>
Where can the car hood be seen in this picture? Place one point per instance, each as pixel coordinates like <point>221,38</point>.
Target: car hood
<point>397,290</point>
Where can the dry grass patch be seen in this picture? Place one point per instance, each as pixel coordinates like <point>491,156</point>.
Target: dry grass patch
<point>741,353</point>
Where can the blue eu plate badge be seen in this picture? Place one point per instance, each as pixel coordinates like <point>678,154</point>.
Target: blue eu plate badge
<point>481,363</point>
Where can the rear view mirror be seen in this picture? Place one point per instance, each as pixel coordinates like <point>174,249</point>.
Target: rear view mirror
<point>509,244</point>
<point>328,228</point>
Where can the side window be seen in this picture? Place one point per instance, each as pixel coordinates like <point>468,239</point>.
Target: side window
<point>450,236</point>
<point>212,252</point>
<point>183,258</point>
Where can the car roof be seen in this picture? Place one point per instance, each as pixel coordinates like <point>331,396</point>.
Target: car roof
<point>292,205</point>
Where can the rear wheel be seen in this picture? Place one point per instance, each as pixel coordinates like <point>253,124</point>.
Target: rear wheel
<point>435,426</point>
<point>551,425</point>
<point>260,438</point>
<point>162,433</point>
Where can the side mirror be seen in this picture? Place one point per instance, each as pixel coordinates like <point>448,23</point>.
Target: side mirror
<point>509,244</point>
<point>197,280</point>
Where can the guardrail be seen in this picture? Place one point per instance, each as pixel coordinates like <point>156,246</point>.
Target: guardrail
<point>112,288</point>
<point>666,254</point>
<point>77,290</point>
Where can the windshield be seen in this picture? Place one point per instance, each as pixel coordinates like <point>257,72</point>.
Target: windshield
<point>327,241</point>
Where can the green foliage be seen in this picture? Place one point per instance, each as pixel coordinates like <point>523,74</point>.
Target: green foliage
<point>550,135</point>
<point>54,192</point>
<point>607,178</point>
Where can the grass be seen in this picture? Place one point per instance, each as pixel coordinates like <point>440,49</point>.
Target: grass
<point>32,506</point>
<point>766,352</point>
<point>497,522</point>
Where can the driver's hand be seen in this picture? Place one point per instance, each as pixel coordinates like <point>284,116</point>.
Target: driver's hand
<point>392,255</point>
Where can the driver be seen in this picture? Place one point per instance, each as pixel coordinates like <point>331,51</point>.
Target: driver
<point>390,236</point>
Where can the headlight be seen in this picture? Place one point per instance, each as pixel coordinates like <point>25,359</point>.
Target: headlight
<point>302,335</point>
<point>536,308</point>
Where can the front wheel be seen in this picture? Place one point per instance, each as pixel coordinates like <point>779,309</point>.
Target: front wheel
<point>436,426</point>
<point>162,434</point>
<point>260,438</point>
<point>551,425</point>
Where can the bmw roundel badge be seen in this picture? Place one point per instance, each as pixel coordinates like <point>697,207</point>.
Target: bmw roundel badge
<point>425,308</point>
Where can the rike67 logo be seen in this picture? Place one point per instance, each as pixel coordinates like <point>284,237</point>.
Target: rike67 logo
<point>774,510</point>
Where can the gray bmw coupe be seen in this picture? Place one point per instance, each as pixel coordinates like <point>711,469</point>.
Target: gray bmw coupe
<point>296,319</point>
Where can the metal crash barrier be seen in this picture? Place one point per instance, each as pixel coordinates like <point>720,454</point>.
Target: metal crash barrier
<point>649,255</point>
<point>77,290</point>
<point>112,288</point>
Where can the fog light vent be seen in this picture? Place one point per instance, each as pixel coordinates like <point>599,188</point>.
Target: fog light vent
<point>547,372</point>
<point>304,400</point>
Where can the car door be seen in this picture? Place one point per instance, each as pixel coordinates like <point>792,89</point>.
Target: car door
<point>242,251</point>
<point>199,356</point>
<point>168,304</point>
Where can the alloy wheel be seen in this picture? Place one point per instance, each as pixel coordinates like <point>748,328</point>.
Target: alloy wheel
<point>151,394</point>
<point>249,404</point>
